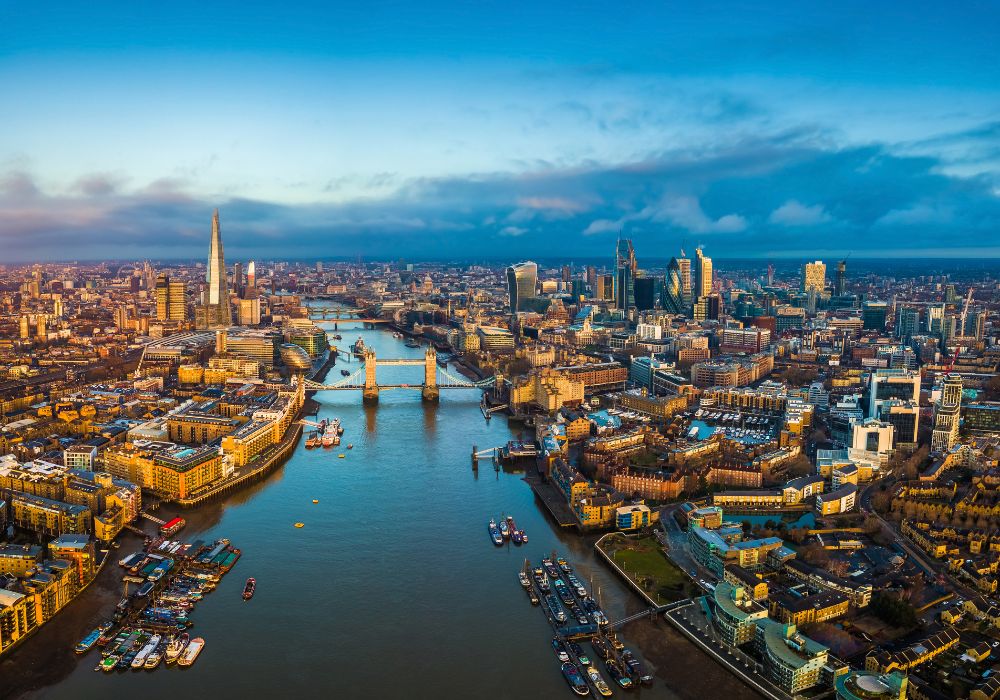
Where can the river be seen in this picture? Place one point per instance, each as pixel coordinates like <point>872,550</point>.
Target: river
<point>392,589</point>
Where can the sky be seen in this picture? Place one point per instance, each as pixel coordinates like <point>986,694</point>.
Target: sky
<point>485,129</point>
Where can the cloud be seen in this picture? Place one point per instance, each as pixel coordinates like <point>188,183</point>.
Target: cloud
<point>748,197</point>
<point>513,231</point>
<point>794,213</point>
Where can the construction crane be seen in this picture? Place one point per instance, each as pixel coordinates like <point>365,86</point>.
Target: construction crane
<point>965,311</point>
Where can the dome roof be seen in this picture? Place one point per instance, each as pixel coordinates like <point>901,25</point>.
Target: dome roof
<point>295,358</point>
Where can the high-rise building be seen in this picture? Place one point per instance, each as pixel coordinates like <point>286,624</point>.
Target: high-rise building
<point>606,287</point>
<point>946,413</point>
<point>907,322</point>
<point>935,319</point>
<point>171,299</point>
<point>677,292</point>
<point>702,275</point>
<point>592,279</point>
<point>645,293</point>
<point>840,282</point>
<point>521,281</point>
<point>215,312</point>
<point>873,315</point>
<point>891,385</point>
<point>814,277</point>
<point>251,274</point>
<point>625,269</point>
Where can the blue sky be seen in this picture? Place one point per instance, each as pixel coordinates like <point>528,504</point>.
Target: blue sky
<point>473,129</point>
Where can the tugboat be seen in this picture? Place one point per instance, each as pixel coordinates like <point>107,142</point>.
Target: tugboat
<point>249,588</point>
<point>572,675</point>
<point>176,647</point>
<point>313,440</point>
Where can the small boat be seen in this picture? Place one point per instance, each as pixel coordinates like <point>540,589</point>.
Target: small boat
<point>109,663</point>
<point>580,654</point>
<point>524,537</point>
<point>153,660</point>
<point>495,533</point>
<point>412,344</point>
<point>350,447</point>
<point>598,681</point>
<point>313,440</point>
<point>248,589</point>
<point>299,525</point>
<point>191,653</point>
<point>617,674</point>
<point>600,647</point>
<point>572,675</point>
<point>560,649</point>
<point>88,642</point>
<point>315,500</point>
<point>504,530</point>
<point>345,372</point>
<point>564,565</point>
<point>341,456</point>
<point>523,578</point>
<point>176,647</point>
<point>515,537</point>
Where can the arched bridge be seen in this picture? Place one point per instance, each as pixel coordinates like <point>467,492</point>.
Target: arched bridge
<point>364,379</point>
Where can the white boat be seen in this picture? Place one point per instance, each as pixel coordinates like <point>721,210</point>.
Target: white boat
<point>192,651</point>
<point>153,660</point>
<point>140,658</point>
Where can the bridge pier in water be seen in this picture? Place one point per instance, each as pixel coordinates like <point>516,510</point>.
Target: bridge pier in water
<point>370,393</point>
<point>430,391</point>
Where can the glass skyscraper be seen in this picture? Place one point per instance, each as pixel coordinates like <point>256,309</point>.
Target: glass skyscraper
<point>521,281</point>
<point>625,267</point>
<point>215,311</point>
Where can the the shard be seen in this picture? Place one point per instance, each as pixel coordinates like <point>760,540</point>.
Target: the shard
<point>215,311</point>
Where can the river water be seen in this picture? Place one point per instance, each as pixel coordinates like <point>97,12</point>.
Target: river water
<point>392,589</point>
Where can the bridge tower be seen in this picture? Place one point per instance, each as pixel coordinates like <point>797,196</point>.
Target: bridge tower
<point>370,393</point>
<point>430,391</point>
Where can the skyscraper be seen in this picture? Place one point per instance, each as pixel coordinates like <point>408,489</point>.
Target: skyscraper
<point>214,312</point>
<point>814,277</point>
<point>840,282</point>
<point>171,299</point>
<point>251,274</point>
<point>645,293</point>
<point>521,281</point>
<point>677,292</point>
<point>702,274</point>
<point>946,414</point>
<point>625,268</point>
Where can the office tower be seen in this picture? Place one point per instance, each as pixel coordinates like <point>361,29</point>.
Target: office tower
<point>770,274</point>
<point>873,315</point>
<point>578,289</point>
<point>251,274</point>
<point>946,413</point>
<point>567,273</point>
<point>41,331</point>
<point>521,281</point>
<point>214,312</point>
<point>677,292</point>
<point>904,417</point>
<point>625,269</point>
<point>592,279</point>
<point>121,317</point>
<point>237,277</point>
<point>907,323</point>
<point>57,307</point>
<point>645,293</point>
<point>975,325</point>
<point>950,296</point>
<point>25,327</point>
<point>702,275</point>
<point>891,385</point>
<point>171,299</point>
<point>840,282</point>
<point>935,319</point>
<point>814,277</point>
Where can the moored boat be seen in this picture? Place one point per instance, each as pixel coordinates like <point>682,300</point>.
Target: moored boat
<point>523,578</point>
<point>504,529</point>
<point>495,533</point>
<point>572,675</point>
<point>248,589</point>
<point>598,681</point>
<point>176,647</point>
<point>191,653</point>
<point>88,642</point>
<point>109,663</point>
<point>515,537</point>
<point>617,674</point>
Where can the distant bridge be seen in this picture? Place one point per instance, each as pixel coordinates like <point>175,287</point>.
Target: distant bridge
<point>650,612</point>
<point>429,389</point>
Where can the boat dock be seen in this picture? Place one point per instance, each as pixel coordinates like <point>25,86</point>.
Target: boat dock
<point>553,500</point>
<point>576,619</point>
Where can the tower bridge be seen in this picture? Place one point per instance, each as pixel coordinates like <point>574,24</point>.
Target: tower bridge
<point>365,380</point>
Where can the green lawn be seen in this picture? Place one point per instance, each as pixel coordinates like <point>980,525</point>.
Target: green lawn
<point>648,566</point>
